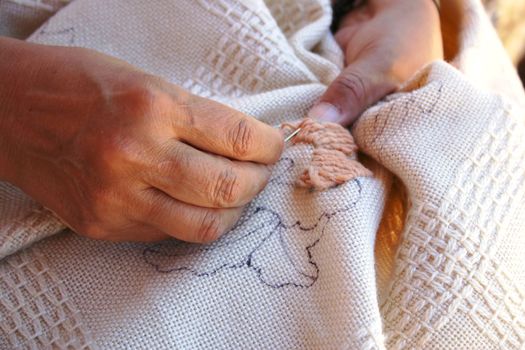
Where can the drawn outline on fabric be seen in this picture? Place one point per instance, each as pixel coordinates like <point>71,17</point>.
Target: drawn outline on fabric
<point>69,33</point>
<point>253,242</point>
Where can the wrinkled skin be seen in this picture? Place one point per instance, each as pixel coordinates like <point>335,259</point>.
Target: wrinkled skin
<point>121,155</point>
<point>385,42</point>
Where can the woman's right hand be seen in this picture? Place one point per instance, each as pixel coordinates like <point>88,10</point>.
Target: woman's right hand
<point>122,155</point>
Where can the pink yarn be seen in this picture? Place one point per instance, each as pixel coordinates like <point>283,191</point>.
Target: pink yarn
<point>334,159</point>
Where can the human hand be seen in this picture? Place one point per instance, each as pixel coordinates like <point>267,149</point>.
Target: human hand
<point>385,42</point>
<point>122,155</point>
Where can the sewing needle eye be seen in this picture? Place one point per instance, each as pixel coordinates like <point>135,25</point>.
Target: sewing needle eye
<point>289,137</point>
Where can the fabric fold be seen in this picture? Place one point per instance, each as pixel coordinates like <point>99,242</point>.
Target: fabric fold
<point>423,254</point>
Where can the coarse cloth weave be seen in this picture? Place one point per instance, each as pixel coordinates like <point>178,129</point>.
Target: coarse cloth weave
<point>426,254</point>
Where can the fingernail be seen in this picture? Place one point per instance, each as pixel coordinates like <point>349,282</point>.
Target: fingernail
<point>325,112</point>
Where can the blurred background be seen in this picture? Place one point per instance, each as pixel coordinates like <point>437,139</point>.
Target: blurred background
<point>508,17</point>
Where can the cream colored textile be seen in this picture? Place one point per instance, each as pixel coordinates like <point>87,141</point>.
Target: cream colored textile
<point>19,18</point>
<point>426,254</point>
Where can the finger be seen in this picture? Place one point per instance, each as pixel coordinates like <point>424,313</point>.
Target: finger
<point>361,84</point>
<point>138,233</point>
<point>202,179</point>
<point>184,221</point>
<point>216,128</point>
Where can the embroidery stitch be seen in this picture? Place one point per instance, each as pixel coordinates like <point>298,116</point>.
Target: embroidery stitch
<point>279,253</point>
<point>334,156</point>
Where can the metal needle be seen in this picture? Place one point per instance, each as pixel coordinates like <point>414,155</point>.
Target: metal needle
<point>289,137</point>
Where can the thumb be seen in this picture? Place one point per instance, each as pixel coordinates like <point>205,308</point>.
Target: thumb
<point>360,85</point>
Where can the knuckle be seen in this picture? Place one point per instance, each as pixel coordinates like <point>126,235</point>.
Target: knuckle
<point>179,161</point>
<point>102,217</point>
<point>93,230</point>
<point>113,149</point>
<point>241,138</point>
<point>149,212</point>
<point>226,189</point>
<point>116,153</point>
<point>143,98</point>
<point>101,204</point>
<point>353,86</point>
<point>210,227</point>
<point>140,97</point>
<point>185,106</point>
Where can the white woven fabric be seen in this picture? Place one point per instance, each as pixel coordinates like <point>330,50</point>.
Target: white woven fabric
<point>427,254</point>
<point>20,18</point>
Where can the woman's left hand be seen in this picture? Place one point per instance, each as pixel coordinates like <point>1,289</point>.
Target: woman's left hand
<point>385,42</point>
